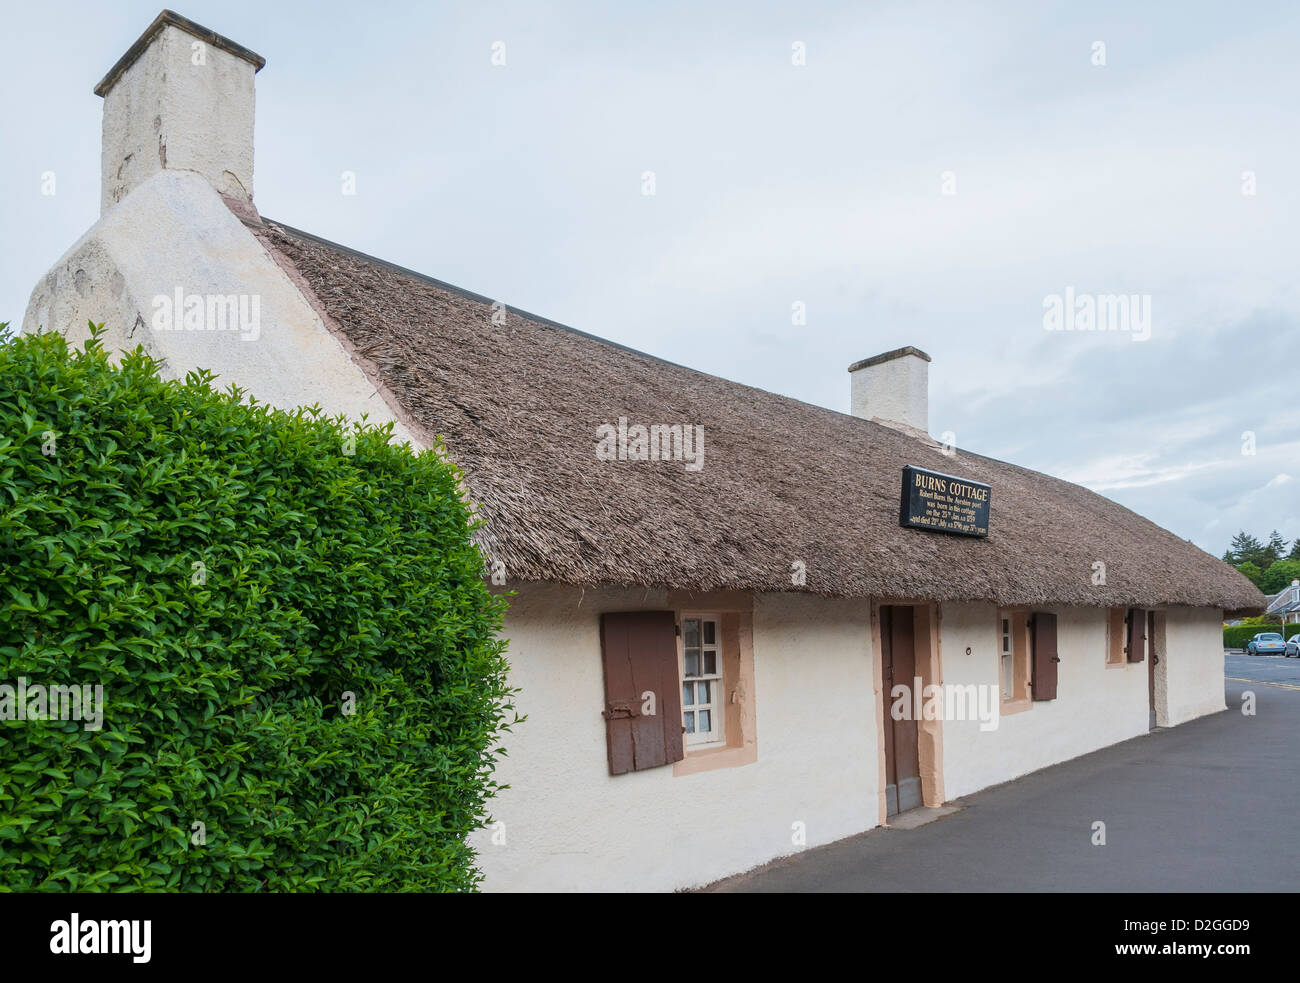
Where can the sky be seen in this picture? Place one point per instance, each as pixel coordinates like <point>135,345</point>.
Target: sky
<point>903,173</point>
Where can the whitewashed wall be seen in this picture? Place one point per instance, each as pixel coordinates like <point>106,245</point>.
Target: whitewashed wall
<point>1096,705</point>
<point>174,231</point>
<point>571,826</point>
<point>1193,679</point>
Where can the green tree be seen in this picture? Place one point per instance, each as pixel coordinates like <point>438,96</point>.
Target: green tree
<point>1279,575</point>
<point>1244,547</point>
<point>1251,572</point>
<point>1295,550</point>
<point>1275,550</point>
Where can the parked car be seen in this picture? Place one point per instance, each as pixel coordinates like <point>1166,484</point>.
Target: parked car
<point>1292,647</point>
<point>1266,643</point>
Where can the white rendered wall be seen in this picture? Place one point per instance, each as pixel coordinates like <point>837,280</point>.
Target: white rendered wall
<point>175,231</point>
<point>1194,668</point>
<point>1096,705</point>
<point>571,826</point>
<point>165,111</point>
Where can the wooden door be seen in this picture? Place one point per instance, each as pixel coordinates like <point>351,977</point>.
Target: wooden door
<point>1151,670</point>
<point>902,748</point>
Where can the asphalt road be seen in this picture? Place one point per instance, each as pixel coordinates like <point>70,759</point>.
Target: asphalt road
<point>1210,805</point>
<point>1265,668</point>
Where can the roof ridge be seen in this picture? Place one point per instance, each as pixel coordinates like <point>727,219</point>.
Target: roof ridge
<point>926,441</point>
<point>539,319</point>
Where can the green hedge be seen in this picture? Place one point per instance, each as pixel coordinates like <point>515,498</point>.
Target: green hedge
<point>230,574</point>
<point>1236,636</point>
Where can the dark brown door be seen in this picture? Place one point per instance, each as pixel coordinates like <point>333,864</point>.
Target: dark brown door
<point>1151,670</point>
<point>902,754</point>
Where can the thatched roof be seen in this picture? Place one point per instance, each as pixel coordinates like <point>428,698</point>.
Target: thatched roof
<point>519,404</point>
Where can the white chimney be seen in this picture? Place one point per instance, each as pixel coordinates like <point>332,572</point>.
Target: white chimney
<point>181,98</point>
<point>893,389</point>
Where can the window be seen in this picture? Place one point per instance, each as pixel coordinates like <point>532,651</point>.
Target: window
<point>715,681</point>
<point>695,664</point>
<point>702,688</point>
<point>1013,660</point>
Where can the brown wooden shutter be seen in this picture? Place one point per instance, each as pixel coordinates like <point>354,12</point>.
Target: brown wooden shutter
<point>1045,657</point>
<point>1137,634</point>
<point>639,650</point>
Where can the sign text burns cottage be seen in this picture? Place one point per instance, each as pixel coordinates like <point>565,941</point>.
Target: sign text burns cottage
<point>943,503</point>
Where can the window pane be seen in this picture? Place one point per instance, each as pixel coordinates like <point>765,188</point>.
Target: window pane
<point>692,662</point>
<point>703,690</point>
<point>691,633</point>
<point>689,720</point>
<point>688,698</point>
<point>708,633</point>
<point>704,722</point>
<point>710,663</point>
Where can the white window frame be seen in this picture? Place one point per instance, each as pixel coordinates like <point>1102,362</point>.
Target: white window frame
<point>716,735</point>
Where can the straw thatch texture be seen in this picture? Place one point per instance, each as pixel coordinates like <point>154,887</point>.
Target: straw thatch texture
<point>519,404</point>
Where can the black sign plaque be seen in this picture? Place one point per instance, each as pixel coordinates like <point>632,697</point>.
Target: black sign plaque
<point>943,503</point>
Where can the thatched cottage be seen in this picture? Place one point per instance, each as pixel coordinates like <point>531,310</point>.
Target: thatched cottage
<point>737,631</point>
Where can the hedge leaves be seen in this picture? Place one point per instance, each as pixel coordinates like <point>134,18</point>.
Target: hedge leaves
<point>303,684</point>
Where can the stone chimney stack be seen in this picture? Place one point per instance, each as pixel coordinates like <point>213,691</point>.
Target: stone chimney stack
<point>180,98</point>
<point>893,389</point>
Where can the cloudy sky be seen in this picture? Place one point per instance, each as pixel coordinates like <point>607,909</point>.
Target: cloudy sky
<point>930,174</point>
